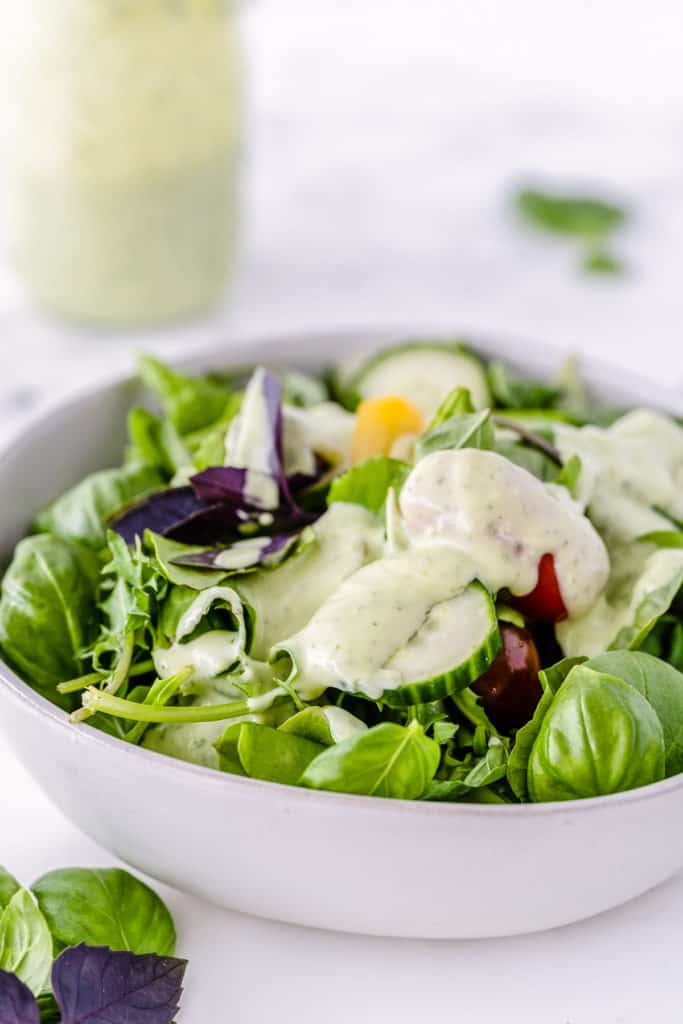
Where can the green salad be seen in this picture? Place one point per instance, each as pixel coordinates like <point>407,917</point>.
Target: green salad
<point>420,576</point>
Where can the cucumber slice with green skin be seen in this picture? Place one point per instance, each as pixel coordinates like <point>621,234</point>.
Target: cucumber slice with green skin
<point>456,644</point>
<point>421,372</point>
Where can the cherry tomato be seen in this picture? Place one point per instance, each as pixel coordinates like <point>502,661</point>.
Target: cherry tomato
<point>510,689</point>
<point>545,600</point>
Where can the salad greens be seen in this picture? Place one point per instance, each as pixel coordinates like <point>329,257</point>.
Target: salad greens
<point>113,940</point>
<point>486,606</point>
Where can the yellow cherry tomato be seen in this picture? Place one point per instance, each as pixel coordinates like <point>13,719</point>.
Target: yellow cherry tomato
<point>380,422</point>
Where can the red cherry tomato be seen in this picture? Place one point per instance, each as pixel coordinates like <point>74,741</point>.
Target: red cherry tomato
<point>545,600</point>
<point>510,689</point>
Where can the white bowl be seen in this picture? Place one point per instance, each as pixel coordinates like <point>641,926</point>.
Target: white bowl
<point>357,864</point>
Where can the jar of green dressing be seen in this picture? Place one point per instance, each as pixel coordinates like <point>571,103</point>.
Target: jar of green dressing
<point>125,167</point>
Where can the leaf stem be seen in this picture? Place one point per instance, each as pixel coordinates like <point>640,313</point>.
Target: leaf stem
<point>535,440</point>
<point>100,700</point>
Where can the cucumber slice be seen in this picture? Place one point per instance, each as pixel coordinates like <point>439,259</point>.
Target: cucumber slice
<point>456,644</point>
<point>421,372</point>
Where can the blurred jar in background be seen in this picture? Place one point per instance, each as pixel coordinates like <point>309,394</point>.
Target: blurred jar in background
<point>125,162</point>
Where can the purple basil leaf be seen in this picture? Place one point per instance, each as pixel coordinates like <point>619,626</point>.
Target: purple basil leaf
<point>243,554</point>
<point>17,1003</point>
<point>222,484</point>
<point>160,512</point>
<point>93,985</point>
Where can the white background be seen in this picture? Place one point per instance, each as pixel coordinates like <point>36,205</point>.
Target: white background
<point>384,137</point>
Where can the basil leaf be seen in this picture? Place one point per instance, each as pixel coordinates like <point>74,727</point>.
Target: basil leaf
<point>321,724</point>
<point>663,538</point>
<point>47,611</point>
<point>25,942</point>
<point>165,550</point>
<point>513,392</point>
<point>550,679</point>
<point>662,687</point>
<point>388,760</point>
<point>369,482</point>
<point>190,403</point>
<point>104,907</point>
<point>584,217</point>
<point>473,430</point>
<point>17,1003</point>
<point>98,986</point>
<point>261,752</point>
<point>600,736</point>
<point>82,512</point>
<point>8,887</point>
<point>457,403</point>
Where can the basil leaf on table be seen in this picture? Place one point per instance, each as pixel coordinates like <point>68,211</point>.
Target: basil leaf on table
<point>588,219</point>
<point>662,687</point>
<point>47,610</point>
<point>261,752</point>
<point>388,760</point>
<point>104,907</point>
<point>600,736</point>
<point>25,941</point>
<point>8,887</point>
<point>82,512</point>
<point>369,482</point>
<point>190,403</point>
<point>99,986</point>
<point>17,1003</point>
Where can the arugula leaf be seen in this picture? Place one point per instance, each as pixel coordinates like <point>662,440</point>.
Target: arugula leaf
<point>93,985</point>
<point>47,610</point>
<point>471,430</point>
<point>261,752</point>
<point>82,513</point>
<point>25,941</point>
<point>388,760</point>
<point>104,907</point>
<point>8,887</point>
<point>17,1003</point>
<point>513,392</point>
<point>190,403</point>
<point>369,482</point>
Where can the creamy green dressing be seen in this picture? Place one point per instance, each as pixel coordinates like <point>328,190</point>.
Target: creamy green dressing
<point>503,520</point>
<point>125,197</point>
<point>347,537</point>
<point>342,724</point>
<point>629,471</point>
<point>247,447</point>
<point>352,637</point>
<point>597,630</point>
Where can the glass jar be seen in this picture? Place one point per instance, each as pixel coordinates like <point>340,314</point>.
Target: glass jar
<point>125,163</point>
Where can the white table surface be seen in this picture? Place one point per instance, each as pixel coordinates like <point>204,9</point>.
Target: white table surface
<point>383,141</point>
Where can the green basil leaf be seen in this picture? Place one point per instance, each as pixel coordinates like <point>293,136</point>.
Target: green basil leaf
<point>600,736</point>
<point>324,725</point>
<point>156,442</point>
<point>104,907</point>
<point>47,610</point>
<point>550,679</point>
<point>662,687</point>
<point>388,760</point>
<point>191,403</point>
<point>474,430</point>
<point>457,403</point>
<point>490,768</point>
<point>8,887</point>
<point>82,512</point>
<point>369,482</point>
<point>261,752</point>
<point>513,392</point>
<point>584,217</point>
<point>663,538</point>
<point>25,942</point>
<point>165,550</point>
<point>570,474</point>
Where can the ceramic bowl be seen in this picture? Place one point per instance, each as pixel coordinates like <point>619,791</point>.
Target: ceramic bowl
<point>356,864</point>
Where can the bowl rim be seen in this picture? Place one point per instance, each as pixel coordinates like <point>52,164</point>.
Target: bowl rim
<point>305,340</point>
